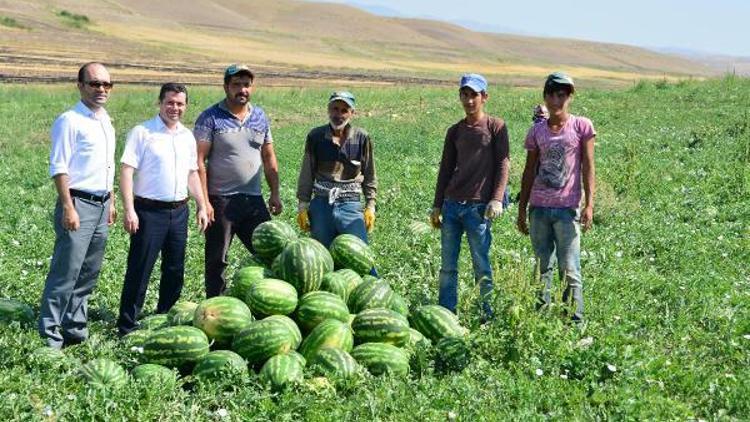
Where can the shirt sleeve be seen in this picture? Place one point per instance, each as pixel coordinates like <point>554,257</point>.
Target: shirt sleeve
<point>501,149</point>
<point>530,143</point>
<point>131,154</point>
<point>193,165</point>
<point>585,129</point>
<point>370,182</point>
<point>204,128</point>
<point>269,138</point>
<point>447,166</point>
<point>306,173</point>
<point>63,137</point>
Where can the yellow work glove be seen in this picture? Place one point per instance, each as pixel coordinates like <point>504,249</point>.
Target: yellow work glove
<point>494,209</point>
<point>369,219</point>
<point>303,220</point>
<point>435,218</point>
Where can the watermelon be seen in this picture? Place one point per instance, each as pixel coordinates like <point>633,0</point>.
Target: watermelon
<point>299,357</point>
<point>303,264</point>
<point>270,238</point>
<point>329,333</point>
<point>381,325</point>
<point>265,338</point>
<point>381,358</point>
<point>151,372</point>
<point>103,373</point>
<point>181,313</point>
<point>47,357</point>
<point>452,354</point>
<point>221,318</point>
<point>271,297</point>
<point>352,280</point>
<point>175,346</point>
<point>436,322</point>
<point>369,277</point>
<point>334,362</point>
<point>316,307</point>
<point>349,251</point>
<point>415,338</point>
<point>334,282</point>
<point>281,371</point>
<point>153,322</point>
<point>244,278</point>
<point>399,305</point>
<point>219,363</point>
<point>294,329</point>
<point>371,293</point>
<point>136,338</point>
<point>12,310</point>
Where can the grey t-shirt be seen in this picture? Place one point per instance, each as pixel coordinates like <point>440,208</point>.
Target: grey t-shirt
<point>234,163</point>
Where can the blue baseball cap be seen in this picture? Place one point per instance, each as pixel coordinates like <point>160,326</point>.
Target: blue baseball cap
<point>474,81</point>
<point>344,96</point>
<point>237,69</point>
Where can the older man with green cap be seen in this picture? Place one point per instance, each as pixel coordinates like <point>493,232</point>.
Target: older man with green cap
<point>337,167</point>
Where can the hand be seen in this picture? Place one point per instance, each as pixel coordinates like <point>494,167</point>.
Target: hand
<point>494,209</point>
<point>131,221</point>
<point>522,223</point>
<point>435,218</point>
<point>369,218</point>
<point>303,220</point>
<point>112,214</point>
<point>201,219</point>
<point>274,204</point>
<point>70,219</point>
<point>209,212</point>
<point>587,218</point>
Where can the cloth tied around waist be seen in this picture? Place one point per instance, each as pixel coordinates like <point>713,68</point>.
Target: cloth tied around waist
<point>336,191</point>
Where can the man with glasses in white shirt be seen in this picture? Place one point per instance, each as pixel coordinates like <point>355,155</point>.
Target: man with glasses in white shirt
<point>82,166</point>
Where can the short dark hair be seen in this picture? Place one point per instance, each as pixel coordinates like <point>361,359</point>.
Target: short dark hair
<point>172,87</point>
<point>82,70</point>
<point>551,87</point>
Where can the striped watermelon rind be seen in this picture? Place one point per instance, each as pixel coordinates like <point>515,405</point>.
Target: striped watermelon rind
<point>436,322</point>
<point>316,307</point>
<point>382,358</point>
<point>271,296</point>
<point>153,322</point>
<point>349,251</point>
<point>151,372</point>
<point>352,280</point>
<point>398,304</point>
<point>12,310</point>
<point>270,237</point>
<point>220,363</point>
<point>335,283</point>
<point>381,325</point>
<point>175,346</point>
<point>303,264</point>
<point>222,317</point>
<point>452,354</point>
<point>369,294</point>
<point>246,277</point>
<point>265,338</point>
<point>103,373</point>
<point>281,371</point>
<point>329,333</point>
<point>293,327</point>
<point>181,313</point>
<point>334,362</point>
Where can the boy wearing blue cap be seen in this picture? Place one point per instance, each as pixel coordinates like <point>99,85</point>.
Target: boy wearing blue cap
<point>559,159</point>
<point>469,194</point>
<point>337,167</point>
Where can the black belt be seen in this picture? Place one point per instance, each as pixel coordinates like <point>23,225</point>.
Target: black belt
<point>89,196</point>
<point>166,205</point>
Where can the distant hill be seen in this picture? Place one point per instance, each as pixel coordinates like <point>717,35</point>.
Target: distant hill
<point>295,42</point>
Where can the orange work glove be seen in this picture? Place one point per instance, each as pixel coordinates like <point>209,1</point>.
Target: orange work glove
<point>369,218</point>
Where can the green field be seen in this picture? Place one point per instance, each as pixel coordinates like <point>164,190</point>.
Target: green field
<point>667,285</point>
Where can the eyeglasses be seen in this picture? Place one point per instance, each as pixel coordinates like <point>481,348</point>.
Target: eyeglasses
<point>99,84</point>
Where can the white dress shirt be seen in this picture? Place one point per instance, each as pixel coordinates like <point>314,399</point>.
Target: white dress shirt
<point>83,147</point>
<point>162,158</point>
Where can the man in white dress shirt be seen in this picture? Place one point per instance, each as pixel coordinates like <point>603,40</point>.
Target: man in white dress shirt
<point>161,155</point>
<point>82,166</point>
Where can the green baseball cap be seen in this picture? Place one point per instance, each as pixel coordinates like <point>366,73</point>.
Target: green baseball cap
<point>236,69</point>
<point>560,78</point>
<point>344,96</point>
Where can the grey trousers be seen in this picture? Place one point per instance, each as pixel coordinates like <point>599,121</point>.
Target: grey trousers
<point>73,272</point>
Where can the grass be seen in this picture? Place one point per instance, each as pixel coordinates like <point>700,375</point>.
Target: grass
<point>74,20</point>
<point>11,23</point>
<point>665,268</point>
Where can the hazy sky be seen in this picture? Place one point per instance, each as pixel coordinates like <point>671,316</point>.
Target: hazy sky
<point>713,26</point>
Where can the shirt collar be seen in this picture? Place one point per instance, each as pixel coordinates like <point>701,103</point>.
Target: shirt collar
<point>86,111</point>
<point>161,127</point>
<point>348,130</point>
<point>223,106</point>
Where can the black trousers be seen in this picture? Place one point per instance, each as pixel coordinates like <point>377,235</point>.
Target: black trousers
<point>233,215</point>
<point>160,230</point>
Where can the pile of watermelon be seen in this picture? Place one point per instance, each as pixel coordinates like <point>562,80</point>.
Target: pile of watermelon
<point>300,309</point>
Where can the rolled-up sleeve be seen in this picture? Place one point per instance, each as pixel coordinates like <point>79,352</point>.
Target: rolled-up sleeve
<point>63,138</point>
<point>132,153</point>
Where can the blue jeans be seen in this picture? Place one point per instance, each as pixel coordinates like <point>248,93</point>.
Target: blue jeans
<point>330,220</point>
<point>555,236</point>
<point>458,218</point>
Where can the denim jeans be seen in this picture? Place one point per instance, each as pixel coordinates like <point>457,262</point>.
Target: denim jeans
<point>555,236</point>
<point>459,217</point>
